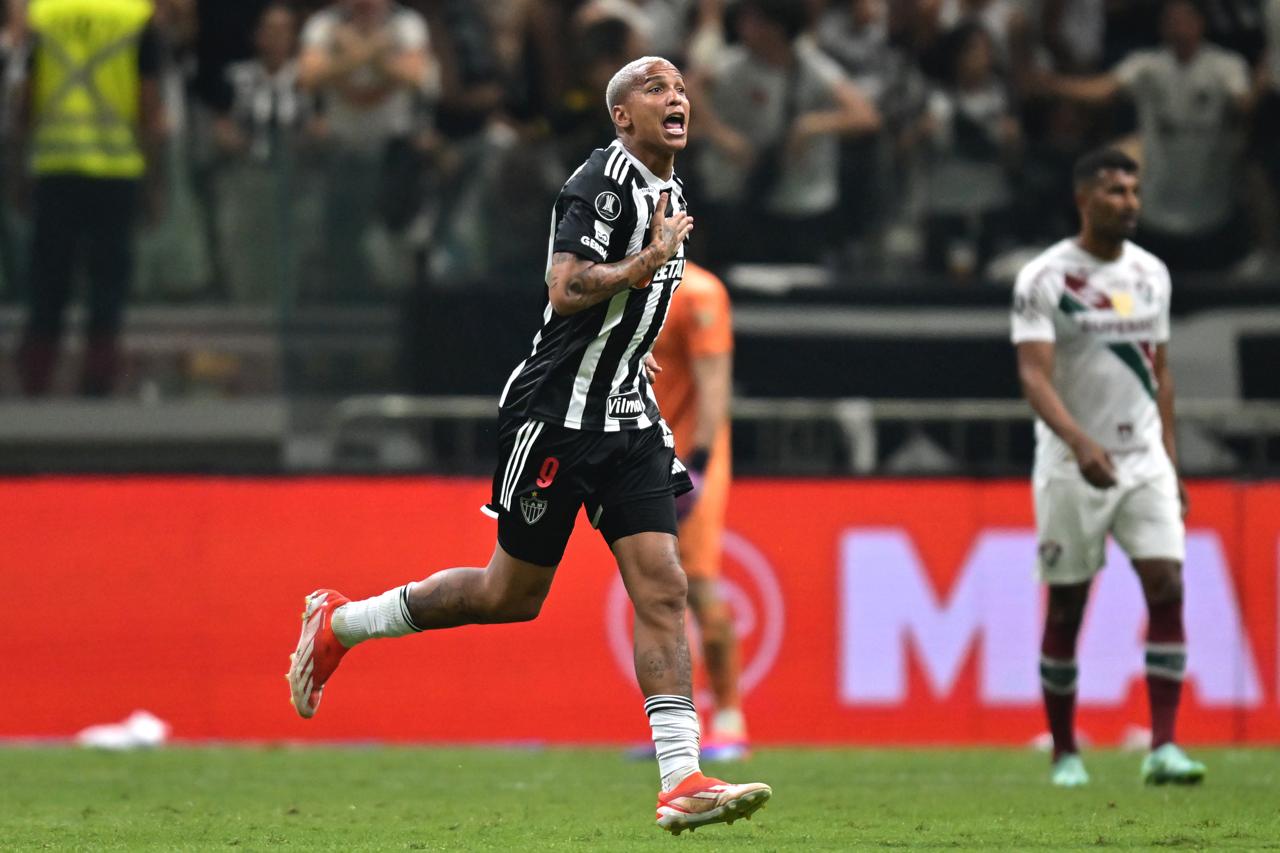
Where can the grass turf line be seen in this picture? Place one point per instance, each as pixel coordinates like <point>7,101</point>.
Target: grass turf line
<point>389,798</point>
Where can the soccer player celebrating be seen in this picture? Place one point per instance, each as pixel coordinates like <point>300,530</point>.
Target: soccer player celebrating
<point>579,425</point>
<point>1091,325</point>
<point>696,355</point>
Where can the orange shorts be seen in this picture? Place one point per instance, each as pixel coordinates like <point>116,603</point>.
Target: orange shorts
<point>701,529</point>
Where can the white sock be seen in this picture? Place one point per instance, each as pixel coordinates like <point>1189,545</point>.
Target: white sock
<point>729,722</point>
<point>385,615</point>
<point>674,721</point>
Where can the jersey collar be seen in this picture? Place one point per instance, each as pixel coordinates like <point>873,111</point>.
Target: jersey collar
<point>650,178</point>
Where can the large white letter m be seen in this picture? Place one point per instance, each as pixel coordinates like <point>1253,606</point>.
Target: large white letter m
<point>889,609</point>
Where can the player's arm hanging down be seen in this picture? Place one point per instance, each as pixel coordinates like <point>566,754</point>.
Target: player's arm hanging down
<point>575,284</point>
<point>713,377</point>
<point>1164,402</point>
<point>1035,371</point>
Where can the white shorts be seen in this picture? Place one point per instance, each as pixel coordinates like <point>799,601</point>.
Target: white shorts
<point>1073,519</point>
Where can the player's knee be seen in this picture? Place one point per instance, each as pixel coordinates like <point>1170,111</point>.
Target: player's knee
<point>1164,585</point>
<point>1065,608</point>
<point>664,595</point>
<point>708,608</point>
<point>700,594</point>
<point>510,598</point>
<point>716,623</point>
<point>525,609</point>
<point>515,606</point>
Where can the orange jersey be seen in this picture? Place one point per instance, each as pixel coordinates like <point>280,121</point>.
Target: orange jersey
<point>699,323</point>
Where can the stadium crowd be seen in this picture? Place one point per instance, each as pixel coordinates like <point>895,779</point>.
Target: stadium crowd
<point>337,152</point>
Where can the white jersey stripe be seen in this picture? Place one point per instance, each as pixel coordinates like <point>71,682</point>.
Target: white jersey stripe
<point>502,398</point>
<point>551,242</point>
<point>524,457</point>
<point>591,358</point>
<point>537,339</point>
<point>636,243</point>
<point>509,473</point>
<point>624,364</point>
<point>509,476</point>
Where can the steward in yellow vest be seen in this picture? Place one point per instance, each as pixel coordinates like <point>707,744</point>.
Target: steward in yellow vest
<point>91,106</point>
<point>86,92</point>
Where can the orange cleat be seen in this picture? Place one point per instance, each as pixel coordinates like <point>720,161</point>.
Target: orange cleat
<point>700,800</point>
<point>318,651</point>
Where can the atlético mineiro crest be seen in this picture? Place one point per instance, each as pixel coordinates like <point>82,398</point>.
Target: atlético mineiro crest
<point>532,508</point>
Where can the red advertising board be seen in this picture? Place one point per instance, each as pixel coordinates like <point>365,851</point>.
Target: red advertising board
<point>871,612</point>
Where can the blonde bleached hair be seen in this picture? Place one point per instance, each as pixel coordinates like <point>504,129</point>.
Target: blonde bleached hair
<point>629,77</point>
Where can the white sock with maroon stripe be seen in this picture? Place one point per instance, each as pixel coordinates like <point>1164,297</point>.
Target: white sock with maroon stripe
<point>385,615</point>
<point>674,721</point>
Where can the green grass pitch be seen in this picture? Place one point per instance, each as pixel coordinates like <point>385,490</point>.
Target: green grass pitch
<point>389,798</point>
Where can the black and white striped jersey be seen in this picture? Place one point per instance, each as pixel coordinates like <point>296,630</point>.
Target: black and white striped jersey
<point>585,370</point>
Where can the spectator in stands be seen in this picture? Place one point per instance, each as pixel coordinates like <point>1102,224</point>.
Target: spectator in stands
<point>1131,25</point>
<point>370,61</point>
<point>262,117</point>
<point>1058,132</point>
<point>261,103</point>
<point>490,153</point>
<point>773,109</point>
<point>1003,20</point>
<point>707,35</point>
<point>173,250</point>
<point>1073,33</point>
<point>1190,96</point>
<point>1267,132</point>
<point>13,46</point>
<point>856,34</point>
<point>659,23</point>
<point>974,141</point>
<point>578,124</point>
<point>91,116</point>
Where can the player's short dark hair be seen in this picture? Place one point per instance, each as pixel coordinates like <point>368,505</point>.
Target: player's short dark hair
<point>1102,160</point>
<point>791,15</point>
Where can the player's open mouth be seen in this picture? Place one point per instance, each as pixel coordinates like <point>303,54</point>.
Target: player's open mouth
<point>674,124</point>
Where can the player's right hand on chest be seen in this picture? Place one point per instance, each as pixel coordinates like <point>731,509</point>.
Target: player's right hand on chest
<point>668,232</point>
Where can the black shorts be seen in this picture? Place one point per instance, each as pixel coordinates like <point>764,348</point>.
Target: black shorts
<point>627,480</point>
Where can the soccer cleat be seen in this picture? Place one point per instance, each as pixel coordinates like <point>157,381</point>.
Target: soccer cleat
<point>1170,764</point>
<point>318,651</point>
<point>1068,772</point>
<point>718,748</point>
<point>700,801</point>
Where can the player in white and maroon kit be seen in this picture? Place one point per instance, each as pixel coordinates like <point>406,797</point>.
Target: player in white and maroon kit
<point>1091,325</point>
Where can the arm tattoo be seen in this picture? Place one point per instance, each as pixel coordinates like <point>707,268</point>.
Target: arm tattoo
<point>587,284</point>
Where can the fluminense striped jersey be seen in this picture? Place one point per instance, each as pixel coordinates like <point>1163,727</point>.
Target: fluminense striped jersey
<point>1105,319</point>
<point>584,371</point>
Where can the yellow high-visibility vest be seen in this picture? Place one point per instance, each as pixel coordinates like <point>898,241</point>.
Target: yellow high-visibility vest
<point>86,87</point>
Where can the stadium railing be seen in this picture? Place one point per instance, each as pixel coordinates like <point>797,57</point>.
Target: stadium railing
<point>858,437</point>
